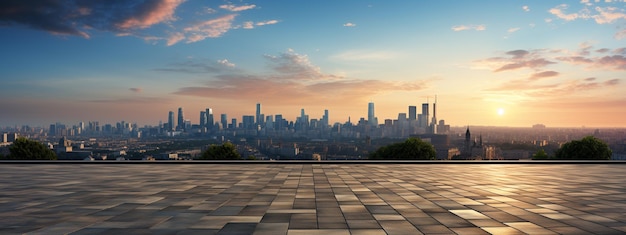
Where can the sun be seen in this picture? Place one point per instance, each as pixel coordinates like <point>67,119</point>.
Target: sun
<point>500,111</point>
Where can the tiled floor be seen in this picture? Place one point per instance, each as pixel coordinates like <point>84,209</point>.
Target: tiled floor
<point>312,199</point>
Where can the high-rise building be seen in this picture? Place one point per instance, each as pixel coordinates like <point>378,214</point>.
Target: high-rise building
<point>425,115</point>
<point>325,121</point>
<point>269,122</point>
<point>259,119</point>
<point>210,121</point>
<point>412,113</point>
<point>202,118</point>
<point>170,121</point>
<point>371,117</point>
<point>279,122</point>
<point>224,120</point>
<point>181,120</point>
<point>248,122</point>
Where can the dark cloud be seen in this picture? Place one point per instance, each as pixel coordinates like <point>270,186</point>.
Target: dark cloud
<point>575,59</point>
<point>544,74</point>
<point>136,90</point>
<point>603,50</point>
<point>590,79</point>
<point>612,82</point>
<point>77,17</point>
<point>518,54</point>
<point>534,63</point>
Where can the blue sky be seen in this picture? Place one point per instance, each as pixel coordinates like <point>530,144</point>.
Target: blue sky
<point>557,63</point>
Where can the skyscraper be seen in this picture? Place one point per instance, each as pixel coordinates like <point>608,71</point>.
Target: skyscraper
<point>181,120</point>
<point>433,123</point>
<point>424,121</point>
<point>170,121</point>
<point>325,119</point>
<point>412,113</point>
<point>224,120</point>
<point>258,120</point>
<point>210,121</point>
<point>371,117</point>
<point>202,118</point>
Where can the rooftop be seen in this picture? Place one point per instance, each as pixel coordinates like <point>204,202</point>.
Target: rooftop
<point>306,198</point>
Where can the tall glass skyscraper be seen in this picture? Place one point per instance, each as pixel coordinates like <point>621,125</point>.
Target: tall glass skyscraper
<point>170,121</point>
<point>181,119</point>
<point>371,117</point>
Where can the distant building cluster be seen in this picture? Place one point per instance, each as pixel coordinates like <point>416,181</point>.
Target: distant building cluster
<point>263,136</point>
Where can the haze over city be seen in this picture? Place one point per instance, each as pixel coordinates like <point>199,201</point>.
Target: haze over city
<point>492,63</point>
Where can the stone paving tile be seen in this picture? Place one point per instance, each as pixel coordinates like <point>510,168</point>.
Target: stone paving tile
<point>312,199</point>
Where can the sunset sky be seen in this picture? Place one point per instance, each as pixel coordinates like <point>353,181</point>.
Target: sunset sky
<point>502,63</point>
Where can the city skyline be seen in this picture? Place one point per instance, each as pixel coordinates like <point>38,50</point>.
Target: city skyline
<point>495,63</point>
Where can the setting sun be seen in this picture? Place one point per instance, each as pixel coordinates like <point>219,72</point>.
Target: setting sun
<point>500,111</point>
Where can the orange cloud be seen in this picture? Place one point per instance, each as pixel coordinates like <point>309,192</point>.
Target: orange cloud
<point>151,13</point>
<point>295,81</point>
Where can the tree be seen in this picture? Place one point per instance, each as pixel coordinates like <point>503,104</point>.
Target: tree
<point>25,149</point>
<point>540,155</point>
<point>411,149</point>
<point>226,151</point>
<point>588,148</point>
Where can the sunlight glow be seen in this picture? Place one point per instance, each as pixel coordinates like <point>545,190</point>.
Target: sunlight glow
<point>500,111</point>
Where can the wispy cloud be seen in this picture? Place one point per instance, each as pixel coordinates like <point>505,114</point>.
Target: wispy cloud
<point>209,29</point>
<point>232,7</point>
<point>481,27</point>
<point>544,74</point>
<point>296,77</point>
<point>513,30</point>
<point>526,8</point>
<point>136,89</point>
<point>601,15</point>
<point>200,66</point>
<point>513,60</point>
<point>367,55</point>
<point>252,24</point>
<point>349,24</point>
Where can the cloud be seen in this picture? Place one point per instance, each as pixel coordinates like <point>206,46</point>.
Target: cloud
<point>251,24</point>
<point>296,66</point>
<point>74,17</point>
<point>608,15</point>
<point>209,29</point>
<point>544,74</point>
<point>559,11</point>
<point>175,38</point>
<point>526,8</point>
<point>295,81</point>
<point>231,7</point>
<point>513,30</point>
<point>469,27</point>
<point>612,82</point>
<point>613,62</point>
<point>600,15</point>
<point>136,18</point>
<point>356,55</point>
<point>226,63</point>
<point>349,24</point>
<point>136,89</point>
<point>149,13</point>
<point>199,67</point>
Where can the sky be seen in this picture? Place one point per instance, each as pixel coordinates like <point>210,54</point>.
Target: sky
<point>491,63</point>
